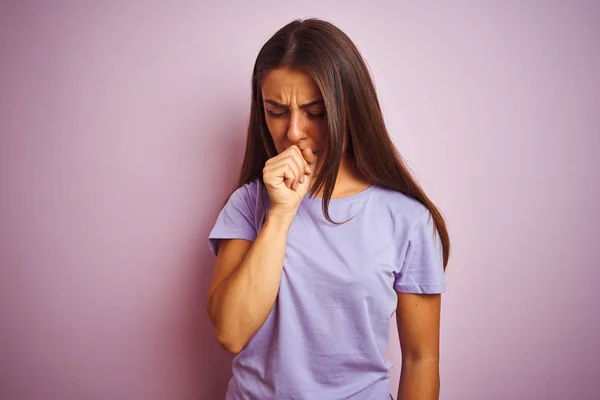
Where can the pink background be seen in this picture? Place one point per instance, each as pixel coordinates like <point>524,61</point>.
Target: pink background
<point>122,129</point>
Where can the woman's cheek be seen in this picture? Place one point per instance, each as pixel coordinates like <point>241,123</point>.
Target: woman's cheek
<point>277,135</point>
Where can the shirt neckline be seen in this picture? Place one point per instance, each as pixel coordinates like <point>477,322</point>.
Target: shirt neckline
<point>341,200</point>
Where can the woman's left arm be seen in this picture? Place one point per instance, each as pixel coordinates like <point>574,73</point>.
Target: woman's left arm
<point>418,318</point>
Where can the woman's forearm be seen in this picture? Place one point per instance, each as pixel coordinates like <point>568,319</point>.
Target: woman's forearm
<point>241,304</point>
<point>419,380</point>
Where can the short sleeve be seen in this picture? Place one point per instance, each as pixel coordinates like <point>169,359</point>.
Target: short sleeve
<point>237,218</point>
<point>422,269</point>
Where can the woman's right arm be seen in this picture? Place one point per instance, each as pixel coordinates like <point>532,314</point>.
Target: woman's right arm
<point>247,274</point>
<point>246,282</point>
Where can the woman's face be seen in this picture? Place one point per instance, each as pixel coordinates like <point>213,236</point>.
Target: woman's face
<point>294,110</point>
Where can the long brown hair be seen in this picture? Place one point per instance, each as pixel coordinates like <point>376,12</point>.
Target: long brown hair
<point>328,55</point>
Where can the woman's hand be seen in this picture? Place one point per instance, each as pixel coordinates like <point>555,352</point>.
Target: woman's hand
<point>287,177</point>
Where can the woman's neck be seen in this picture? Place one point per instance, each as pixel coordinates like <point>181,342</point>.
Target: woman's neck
<point>348,181</point>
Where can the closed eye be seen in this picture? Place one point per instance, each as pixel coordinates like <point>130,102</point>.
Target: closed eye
<point>317,115</point>
<point>274,114</point>
<point>271,113</point>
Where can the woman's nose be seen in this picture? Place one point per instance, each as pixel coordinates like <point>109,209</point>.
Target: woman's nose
<point>296,128</point>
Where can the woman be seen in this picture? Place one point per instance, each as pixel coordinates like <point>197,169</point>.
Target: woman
<point>326,236</point>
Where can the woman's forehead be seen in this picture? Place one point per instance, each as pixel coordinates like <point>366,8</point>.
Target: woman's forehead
<point>286,83</point>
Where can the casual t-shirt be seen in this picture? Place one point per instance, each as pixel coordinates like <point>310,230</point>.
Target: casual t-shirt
<point>327,332</point>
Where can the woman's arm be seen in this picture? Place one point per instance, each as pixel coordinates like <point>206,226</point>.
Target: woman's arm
<point>246,282</point>
<point>418,318</point>
<point>247,275</point>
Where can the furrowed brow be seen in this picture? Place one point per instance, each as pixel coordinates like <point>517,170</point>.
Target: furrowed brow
<point>310,103</point>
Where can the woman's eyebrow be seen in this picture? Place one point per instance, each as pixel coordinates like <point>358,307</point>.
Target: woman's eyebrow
<point>310,103</point>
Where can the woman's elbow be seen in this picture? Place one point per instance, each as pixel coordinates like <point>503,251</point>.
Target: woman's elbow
<point>231,345</point>
<point>228,341</point>
<point>420,358</point>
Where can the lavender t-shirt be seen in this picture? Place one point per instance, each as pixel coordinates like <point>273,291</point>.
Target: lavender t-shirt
<point>326,335</point>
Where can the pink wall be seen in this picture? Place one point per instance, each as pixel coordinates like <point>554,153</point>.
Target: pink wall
<point>122,128</point>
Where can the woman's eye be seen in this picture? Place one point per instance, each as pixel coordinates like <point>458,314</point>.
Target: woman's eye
<point>317,115</point>
<point>310,114</point>
<point>274,114</point>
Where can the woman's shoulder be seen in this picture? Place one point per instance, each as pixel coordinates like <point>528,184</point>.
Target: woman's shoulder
<point>249,192</point>
<point>251,199</point>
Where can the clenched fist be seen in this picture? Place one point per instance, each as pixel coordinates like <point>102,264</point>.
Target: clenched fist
<point>287,177</point>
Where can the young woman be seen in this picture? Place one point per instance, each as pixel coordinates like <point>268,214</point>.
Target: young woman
<point>326,237</point>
